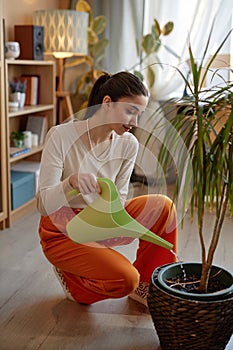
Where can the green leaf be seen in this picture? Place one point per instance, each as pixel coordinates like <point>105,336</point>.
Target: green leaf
<point>138,47</point>
<point>138,74</point>
<point>99,48</point>
<point>150,76</point>
<point>84,107</point>
<point>156,28</point>
<point>168,28</point>
<point>81,83</point>
<point>99,24</point>
<point>89,60</point>
<point>97,73</point>
<point>148,43</point>
<point>207,68</point>
<point>194,71</point>
<point>92,37</point>
<point>83,6</point>
<point>74,62</point>
<point>157,45</point>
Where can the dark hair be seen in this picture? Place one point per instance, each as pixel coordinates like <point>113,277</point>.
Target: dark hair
<point>122,84</point>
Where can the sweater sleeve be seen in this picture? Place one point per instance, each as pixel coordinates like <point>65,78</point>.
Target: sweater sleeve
<point>52,190</point>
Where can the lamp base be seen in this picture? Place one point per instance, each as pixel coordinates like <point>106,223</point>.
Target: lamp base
<point>64,106</point>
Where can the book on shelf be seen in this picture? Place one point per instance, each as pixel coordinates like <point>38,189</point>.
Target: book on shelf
<point>32,89</point>
<point>38,125</point>
<point>16,151</point>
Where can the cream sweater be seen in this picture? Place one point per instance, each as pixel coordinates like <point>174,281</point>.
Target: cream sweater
<point>65,154</point>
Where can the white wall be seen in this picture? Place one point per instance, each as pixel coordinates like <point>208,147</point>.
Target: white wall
<point>19,12</point>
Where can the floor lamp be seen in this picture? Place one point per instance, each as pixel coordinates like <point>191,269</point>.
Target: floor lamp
<point>65,35</point>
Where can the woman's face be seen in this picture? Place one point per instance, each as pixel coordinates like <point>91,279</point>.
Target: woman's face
<point>123,114</point>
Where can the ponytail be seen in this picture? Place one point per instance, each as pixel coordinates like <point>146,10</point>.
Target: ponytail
<point>96,95</point>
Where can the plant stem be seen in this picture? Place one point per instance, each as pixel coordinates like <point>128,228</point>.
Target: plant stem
<point>215,238</point>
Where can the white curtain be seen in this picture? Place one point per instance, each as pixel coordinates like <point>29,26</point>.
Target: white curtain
<point>130,19</point>
<point>124,25</point>
<point>192,22</point>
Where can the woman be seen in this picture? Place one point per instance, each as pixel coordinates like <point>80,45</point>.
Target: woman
<point>75,155</point>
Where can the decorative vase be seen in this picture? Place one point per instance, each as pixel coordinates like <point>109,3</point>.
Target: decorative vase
<point>27,138</point>
<point>190,322</point>
<point>18,143</point>
<point>22,99</point>
<point>18,97</point>
<point>12,50</point>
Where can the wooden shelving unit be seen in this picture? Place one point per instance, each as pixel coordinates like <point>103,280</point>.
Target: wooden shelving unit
<point>3,161</point>
<point>17,120</point>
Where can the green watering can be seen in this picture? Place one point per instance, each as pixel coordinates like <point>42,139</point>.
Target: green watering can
<point>106,218</point>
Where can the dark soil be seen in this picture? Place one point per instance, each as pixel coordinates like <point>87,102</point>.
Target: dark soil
<point>190,283</point>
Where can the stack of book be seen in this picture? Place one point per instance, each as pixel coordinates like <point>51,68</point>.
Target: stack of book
<point>32,89</point>
<point>16,151</point>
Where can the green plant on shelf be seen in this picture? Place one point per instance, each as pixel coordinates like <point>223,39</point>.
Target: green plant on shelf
<point>16,85</point>
<point>17,138</point>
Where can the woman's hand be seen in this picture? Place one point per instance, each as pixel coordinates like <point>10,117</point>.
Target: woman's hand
<point>85,183</point>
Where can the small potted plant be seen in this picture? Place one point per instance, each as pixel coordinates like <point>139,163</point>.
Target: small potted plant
<point>18,91</point>
<point>17,138</point>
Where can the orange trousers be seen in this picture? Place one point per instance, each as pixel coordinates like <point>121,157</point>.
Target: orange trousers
<point>94,273</point>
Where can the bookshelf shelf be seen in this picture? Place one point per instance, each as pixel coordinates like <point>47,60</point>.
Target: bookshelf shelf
<point>3,160</point>
<point>32,63</point>
<point>34,150</point>
<point>31,109</point>
<point>23,210</point>
<point>18,120</point>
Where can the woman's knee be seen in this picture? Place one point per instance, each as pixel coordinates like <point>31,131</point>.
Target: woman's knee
<point>170,212</point>
<point>161,200</point>
<point>149,202</point>
<point>128,283</point>
<point>162,205</point>
<point>154,211</point>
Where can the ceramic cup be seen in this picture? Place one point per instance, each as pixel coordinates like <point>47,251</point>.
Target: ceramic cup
<point>34,140</point>
<point>12,50</point>
<point>18,97</point>
<point>27,139</point>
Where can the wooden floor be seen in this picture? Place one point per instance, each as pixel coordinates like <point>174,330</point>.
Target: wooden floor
<point>35,315</point>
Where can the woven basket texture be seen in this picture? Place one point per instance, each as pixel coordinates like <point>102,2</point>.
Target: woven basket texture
<point>183,324</point>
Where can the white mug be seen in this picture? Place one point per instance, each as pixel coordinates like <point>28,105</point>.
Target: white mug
<point>27,139</point>
<point>34,140</point>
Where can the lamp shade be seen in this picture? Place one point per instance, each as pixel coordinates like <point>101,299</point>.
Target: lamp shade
<point>65,31</point>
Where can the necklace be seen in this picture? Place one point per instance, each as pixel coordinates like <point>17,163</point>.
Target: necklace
<point>93,147</point>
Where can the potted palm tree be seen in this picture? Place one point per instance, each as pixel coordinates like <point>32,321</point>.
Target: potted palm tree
<point>191,304</point>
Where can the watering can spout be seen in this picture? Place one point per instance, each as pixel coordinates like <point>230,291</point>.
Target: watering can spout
<point>106,218</point>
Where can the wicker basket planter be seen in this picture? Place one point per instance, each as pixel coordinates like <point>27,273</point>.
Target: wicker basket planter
<point>185,324</point>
